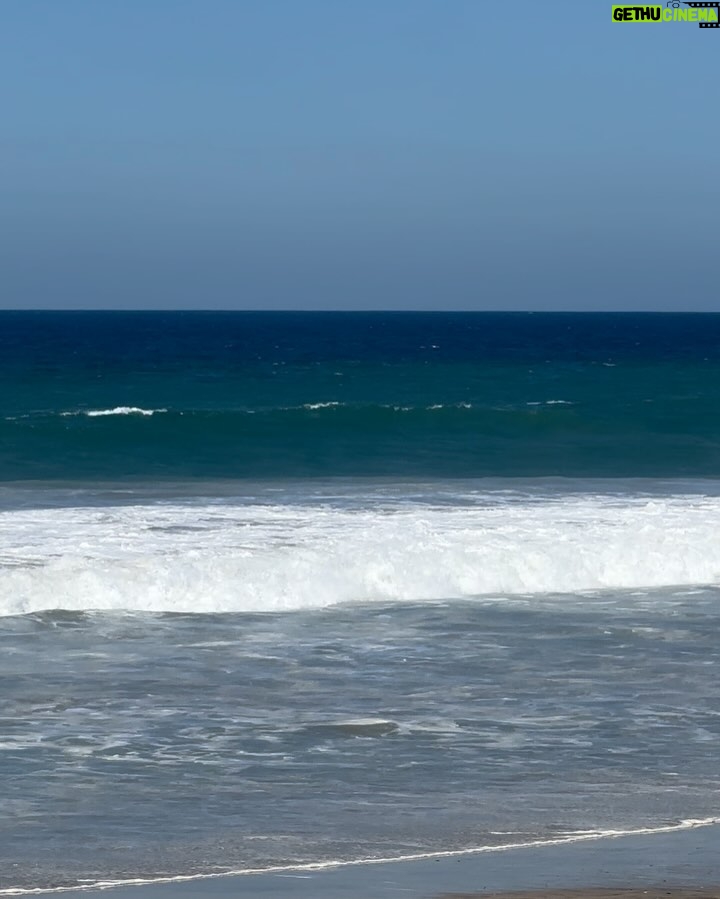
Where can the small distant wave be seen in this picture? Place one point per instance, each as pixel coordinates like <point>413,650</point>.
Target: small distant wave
<point>412,407</point>
<point>550,403</point>
<point>545,434</point>
<point>117,410</point>
<point>359,411</point>
<point>334,404</point>
<point>448,406</point>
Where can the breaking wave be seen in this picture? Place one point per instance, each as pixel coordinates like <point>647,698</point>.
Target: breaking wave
<point>231,556</point>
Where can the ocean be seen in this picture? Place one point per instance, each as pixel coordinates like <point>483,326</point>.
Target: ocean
<point>284,589</point>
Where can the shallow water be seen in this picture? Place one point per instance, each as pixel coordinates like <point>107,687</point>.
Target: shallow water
<point>335,671</point>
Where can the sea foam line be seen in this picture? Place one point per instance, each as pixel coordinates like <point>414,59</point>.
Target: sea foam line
<point>117,410</point>
<point>685,824</point>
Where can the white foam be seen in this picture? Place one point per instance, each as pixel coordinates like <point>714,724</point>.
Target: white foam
<point>432,408</point>
<point>223,557</point>
<point>576,837</point>
<point>118,410</point>
<point>448,406</point>
<point>550,403</point>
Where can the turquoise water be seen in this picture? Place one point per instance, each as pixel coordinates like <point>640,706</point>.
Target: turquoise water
<point>288,589</point>
<point>282,395</point>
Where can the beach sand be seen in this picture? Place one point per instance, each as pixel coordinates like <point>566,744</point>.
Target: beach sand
<point>681,864</point>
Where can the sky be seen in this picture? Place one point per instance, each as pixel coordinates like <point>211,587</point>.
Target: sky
<point>355,154</point>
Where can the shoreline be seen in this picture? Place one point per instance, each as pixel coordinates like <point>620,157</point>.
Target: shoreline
<point>597,893</point>
<point>678,857</point>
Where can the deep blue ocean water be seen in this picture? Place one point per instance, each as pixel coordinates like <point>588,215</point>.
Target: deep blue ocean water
<point>280,395</point>
<point>279,589</point>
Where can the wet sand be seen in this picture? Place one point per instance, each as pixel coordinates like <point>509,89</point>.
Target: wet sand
<point>678,865</point>
<point>657,893</point>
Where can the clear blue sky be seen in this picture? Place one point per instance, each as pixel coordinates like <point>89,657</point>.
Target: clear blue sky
<point>353,154</point>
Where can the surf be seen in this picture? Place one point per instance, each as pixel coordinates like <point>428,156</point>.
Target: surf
<point>229,555</point>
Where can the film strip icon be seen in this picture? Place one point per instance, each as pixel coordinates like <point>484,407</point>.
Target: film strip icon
<point>704,4</point>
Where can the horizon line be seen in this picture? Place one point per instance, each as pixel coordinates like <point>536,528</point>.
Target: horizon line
<point>254,311</point>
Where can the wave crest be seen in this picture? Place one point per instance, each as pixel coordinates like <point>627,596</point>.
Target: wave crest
<point>117,410</point>
<point>236,557</point>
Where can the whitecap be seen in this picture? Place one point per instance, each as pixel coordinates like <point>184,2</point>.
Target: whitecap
<point>117,410</point>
